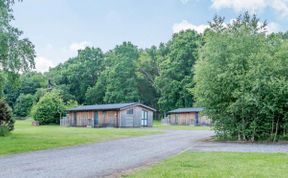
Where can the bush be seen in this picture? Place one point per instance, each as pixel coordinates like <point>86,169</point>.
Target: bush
<point>23,105</point>
<point>6,120</point>
<point>49,109</point>
<point>4,131</point>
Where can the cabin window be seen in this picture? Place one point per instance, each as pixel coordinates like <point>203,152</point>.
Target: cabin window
<point>130,111</point>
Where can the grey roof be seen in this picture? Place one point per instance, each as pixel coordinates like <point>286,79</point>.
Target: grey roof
<point>99,107</point>
<point>185,110</point>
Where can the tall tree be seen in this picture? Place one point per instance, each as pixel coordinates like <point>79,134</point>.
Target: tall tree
<point>175,77</point>
<point>78,73</point>
<point>241,80</point>
<point>119,80</point>
<point>147,69</point>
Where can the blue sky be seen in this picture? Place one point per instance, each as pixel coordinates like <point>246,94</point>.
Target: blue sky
<point>58,28</point>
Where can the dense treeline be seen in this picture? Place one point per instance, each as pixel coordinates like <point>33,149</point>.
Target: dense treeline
<point>236,71</point>
<point>160,77</point>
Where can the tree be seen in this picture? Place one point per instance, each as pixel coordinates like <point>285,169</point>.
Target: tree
<point>147,69</point>
<point>6,120</point>
<point>31,81</point>
<point>176,74</point>
<point>23,105</point>
<point>119,77</point>
<point>77,74</point>
<point>241,80</point>
<point>49,109</point>
<point>16,53</point>
<point>96,93</point>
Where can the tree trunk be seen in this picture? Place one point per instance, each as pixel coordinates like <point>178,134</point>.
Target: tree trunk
<point>272,129</point>
<point>276,130</point>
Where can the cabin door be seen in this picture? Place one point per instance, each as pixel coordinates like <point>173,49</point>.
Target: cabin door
<point>144,120</point>
<point>95,118</point>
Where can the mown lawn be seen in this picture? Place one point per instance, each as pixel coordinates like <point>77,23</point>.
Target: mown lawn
<point>29,138</point>
<point>219,164</point>
<point>158,125</point>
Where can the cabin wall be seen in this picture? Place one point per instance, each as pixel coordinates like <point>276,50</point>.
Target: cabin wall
<point>134,120</point>
<point>107,118</point>
<point>81,119</point>
<point>182,118</point>
<point>111,118</point>
<point>86,118</point>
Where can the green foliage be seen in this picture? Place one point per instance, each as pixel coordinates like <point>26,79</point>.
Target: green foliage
<point>6,120</point>
<point>175,77</point>
<point>23,105</point>
<point>16,54</point>
<point>119,79</point>
<point>4,131</point>
<point>96,93</point>
<point>31,81</point>
<point>241,79</point>
<point>77,74</point>
<point>49,109</point>
<point>71,104</point>
<point>147,69</point>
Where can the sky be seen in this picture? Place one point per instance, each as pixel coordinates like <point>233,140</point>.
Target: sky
<point>59,28</point>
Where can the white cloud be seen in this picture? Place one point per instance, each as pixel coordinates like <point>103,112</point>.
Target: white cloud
<point>185,25</point>
<point>80,45</point>
<point>273,28</point>
<point>281,6</point>
<point>42,64</point>
<point>239,5</point>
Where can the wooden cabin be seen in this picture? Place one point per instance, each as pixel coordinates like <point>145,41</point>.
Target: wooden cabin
<point>186,116</point>
<point>110,115</point>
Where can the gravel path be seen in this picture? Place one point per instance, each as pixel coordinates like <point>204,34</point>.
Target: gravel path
<point>103,159</point>
<point>99,159</point>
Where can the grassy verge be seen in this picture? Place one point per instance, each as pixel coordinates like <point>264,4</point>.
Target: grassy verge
<point>158,125</point>
<point>215,164</point>
<point>29,138</point>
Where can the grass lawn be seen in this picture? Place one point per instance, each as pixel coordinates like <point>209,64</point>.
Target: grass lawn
<point>219,164</point>
<point>28,138</point>
<point>158,125</point>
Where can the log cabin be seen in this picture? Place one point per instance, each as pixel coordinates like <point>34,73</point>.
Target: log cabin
<point>110,115</point>
<point>187,116</point>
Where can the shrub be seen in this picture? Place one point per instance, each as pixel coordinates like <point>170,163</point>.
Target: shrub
<point>4,131</point>
<point>49,109</point>
<point>6,120</point>
<point>23,105</point>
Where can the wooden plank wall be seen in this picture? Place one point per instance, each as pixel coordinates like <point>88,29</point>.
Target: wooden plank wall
<point>108,118</point>
<point>85,119</point>
<point>182,118</point>
<point>134,120</point>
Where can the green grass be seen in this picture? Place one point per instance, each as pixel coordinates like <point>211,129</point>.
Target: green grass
<point>215,164</point>
<point>29,138</point>
<point>158,125</point>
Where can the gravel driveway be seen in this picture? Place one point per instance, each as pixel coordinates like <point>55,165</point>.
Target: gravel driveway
<point>99,159</point>
<point>103,159</point>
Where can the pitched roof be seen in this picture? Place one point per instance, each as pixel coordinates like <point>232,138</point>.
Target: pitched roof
<point>185,110</point>
<point>99,107</point>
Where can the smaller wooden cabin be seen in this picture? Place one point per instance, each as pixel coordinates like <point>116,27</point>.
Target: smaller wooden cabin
<point>185,116</point>
<point>110,115</point>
